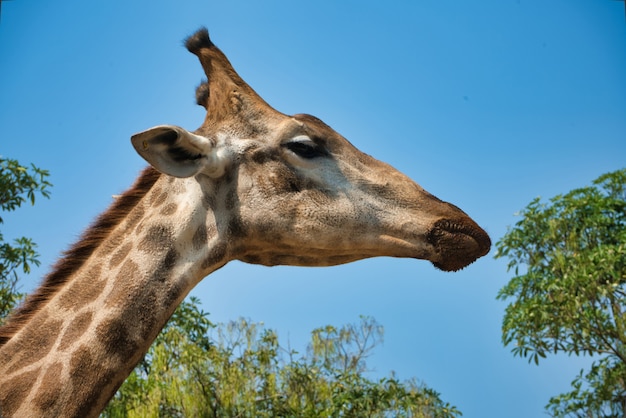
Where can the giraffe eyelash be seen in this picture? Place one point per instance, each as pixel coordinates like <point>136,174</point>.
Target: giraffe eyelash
<point>305,147</point>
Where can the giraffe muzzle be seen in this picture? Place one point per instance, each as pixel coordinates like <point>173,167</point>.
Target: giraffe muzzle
<point>457,243</point>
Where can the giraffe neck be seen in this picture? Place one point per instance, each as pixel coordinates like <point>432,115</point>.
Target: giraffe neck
<point>72,354</point>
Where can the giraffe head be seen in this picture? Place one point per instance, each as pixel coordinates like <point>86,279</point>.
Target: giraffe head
<point>290,190</point>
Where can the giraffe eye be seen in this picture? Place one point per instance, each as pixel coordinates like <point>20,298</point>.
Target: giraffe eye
<point>305,148</point>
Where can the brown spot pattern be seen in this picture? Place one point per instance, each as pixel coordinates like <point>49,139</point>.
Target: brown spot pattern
<point>165,266</point>
<point>87,393</point>
<point>200,239</point>
<point>82,292</point>
<point>217,255</point>
<point>50,389</point>
<point>129,269</point>
<point>14,390</point>
<point>76,328</point>
<point>232,200</point>
<point>116,338</point>
<point>160,199</point>
<point>134,217</point>
<point>169,209</point>
<point>37,347</point>
<point>120,255</point>
<point>172,296</point>
<point>155,195</point>
<point>157,238</point>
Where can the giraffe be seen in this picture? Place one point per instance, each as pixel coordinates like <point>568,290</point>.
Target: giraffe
<point>250,184</point>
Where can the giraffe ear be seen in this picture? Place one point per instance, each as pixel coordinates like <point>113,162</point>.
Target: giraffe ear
<point>173,150</point>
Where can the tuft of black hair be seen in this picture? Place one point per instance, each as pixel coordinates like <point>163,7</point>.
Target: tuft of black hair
<point>198,40</point>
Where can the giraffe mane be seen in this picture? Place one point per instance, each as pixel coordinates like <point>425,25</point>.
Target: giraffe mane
<point>78,253</point>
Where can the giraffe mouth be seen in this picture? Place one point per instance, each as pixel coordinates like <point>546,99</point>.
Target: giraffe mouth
<point>457,244</point>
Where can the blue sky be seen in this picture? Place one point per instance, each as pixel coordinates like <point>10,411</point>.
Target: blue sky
<point>486,104</point>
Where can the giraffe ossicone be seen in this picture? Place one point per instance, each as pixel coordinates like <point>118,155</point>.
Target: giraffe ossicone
<point>250,184</point>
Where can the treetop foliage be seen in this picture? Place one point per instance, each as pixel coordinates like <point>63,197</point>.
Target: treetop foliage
<point>199,369</point>
<point>18,185</point>
<point>569,290</point>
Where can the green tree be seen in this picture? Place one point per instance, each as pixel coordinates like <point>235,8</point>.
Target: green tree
<point>18,185</point>
<point>198,369</point>
<point>569,291</point>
